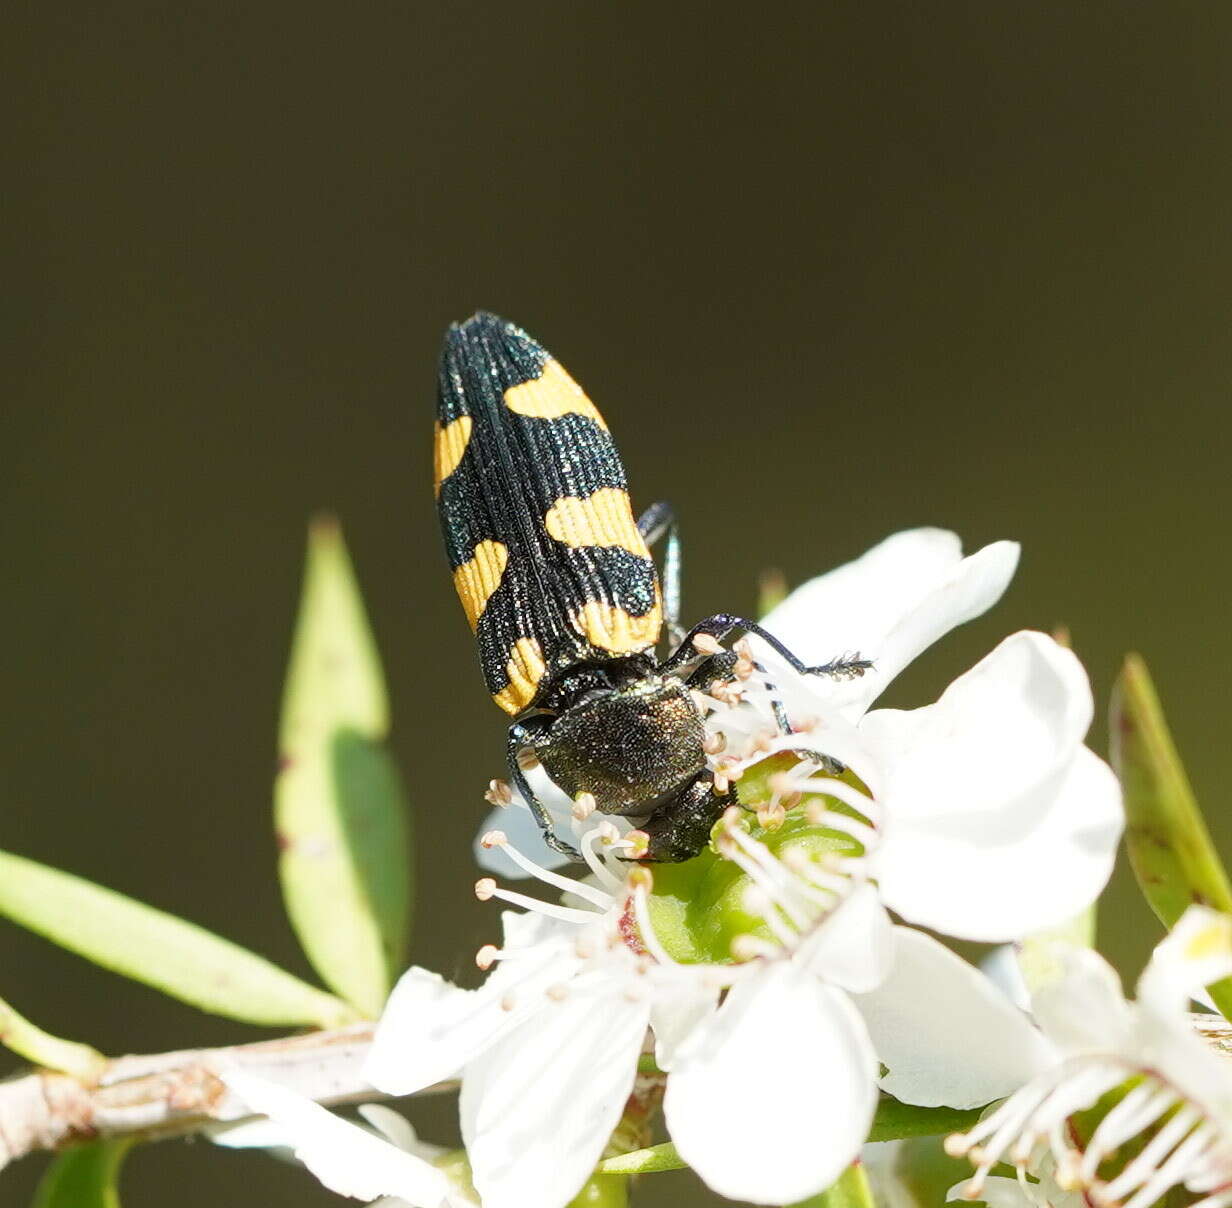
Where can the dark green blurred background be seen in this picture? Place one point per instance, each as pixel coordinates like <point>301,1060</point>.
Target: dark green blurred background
<point>829,270</point>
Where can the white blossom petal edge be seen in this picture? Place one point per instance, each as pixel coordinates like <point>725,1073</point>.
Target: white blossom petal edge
<point>988,786</point>
<point>788,1050</point>
<point>891,604</point>
<point>347,1159</point>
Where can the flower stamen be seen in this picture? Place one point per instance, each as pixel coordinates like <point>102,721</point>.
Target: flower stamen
<point>566,884</point>
<point>1189,1149</point>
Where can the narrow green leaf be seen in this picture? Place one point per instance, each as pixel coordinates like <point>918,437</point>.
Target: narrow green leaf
<point>177,957</point>
<point>652,1160</point>
<point>851,1191</point>
<point>31,1042</point>
<point>339,805</point>
<point>1169,846</point>
<point>84,1177</point>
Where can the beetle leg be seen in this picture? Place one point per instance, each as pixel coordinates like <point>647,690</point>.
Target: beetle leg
<point>722,623</point>
<point>681,829</point>
<point>659,519</point>
<point>521,735</point>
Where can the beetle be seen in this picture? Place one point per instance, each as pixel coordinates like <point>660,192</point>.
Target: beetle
<point>559,587</point>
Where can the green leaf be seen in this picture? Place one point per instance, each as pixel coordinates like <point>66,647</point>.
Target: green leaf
<point>31,1042</point>
<point>652,1160</point>
<point>915,1173</point>
<point>84,1177</point>
<point>179,958</point>
<point>1169,846</point>
<point>851,1191</point>
<point>895,1120</point>
<point>339,805</point>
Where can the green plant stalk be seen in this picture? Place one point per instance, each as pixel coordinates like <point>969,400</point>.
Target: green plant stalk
<point>43,1049</point>
<point>85,1177</point>
<point>893,1122</point>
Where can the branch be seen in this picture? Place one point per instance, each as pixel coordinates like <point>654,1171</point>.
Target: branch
<point>169,1094</point>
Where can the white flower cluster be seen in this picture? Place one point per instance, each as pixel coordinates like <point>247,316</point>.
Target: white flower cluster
<point>981,816</point>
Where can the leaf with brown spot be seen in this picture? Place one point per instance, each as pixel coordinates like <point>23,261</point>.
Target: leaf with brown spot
<point>1169,846</point>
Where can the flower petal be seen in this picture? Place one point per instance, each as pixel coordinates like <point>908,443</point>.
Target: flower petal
<point>1047,859</point>
<point>347,1159</point>
<point>946,1033</point>
<point>854,948</point>
<point>891,604</point>
<point>1085,1009</point>
<point>998,1192</point>
<point>1195,953</point>
<point>672,1019</point>
<point>431,1029</point>
<point>398,1130</point>
<point>973,587</point>
<point>862,600</point>
<point>773,1096</point>
<point>1002,967</point>
<point>999,733</point>
<point>538,1109</point>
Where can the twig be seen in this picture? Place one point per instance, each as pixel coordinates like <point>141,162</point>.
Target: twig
<point>169,1094</point>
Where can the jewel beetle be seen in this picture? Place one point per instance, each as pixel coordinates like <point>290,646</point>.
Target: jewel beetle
<point>567,606</point>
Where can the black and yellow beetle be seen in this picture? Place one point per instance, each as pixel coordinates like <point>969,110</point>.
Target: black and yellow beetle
<point>559,587</point>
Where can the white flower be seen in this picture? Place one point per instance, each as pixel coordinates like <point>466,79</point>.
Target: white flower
<point>968,798</point>
<point>1171,1105</point>
<point>548,1048</point>
<point>396,1172</point>
<point>958,807</point>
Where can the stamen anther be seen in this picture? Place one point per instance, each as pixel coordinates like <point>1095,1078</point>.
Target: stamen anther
<point>639,844</point>
<point>641,878</point>
<point>499,793</point>
<point>485,887</point>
